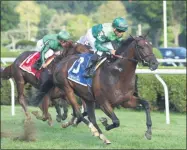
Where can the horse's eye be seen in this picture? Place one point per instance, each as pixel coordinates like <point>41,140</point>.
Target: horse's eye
<point>140,47</point>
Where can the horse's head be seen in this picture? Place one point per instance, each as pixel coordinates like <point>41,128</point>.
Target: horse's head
<point>141,50</point>
<point>144,52</point>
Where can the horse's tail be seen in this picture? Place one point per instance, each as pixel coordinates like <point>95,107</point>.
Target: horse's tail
<point>6,73</point>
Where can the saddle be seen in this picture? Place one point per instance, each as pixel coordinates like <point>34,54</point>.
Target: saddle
<point>31,63</point>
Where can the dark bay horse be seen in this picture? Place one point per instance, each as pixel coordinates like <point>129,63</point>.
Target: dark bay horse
<point>21,78</point>
<point>113,84</point>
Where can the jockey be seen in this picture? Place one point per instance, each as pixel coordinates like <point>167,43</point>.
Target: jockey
<point>99,38</point>
<point>49,45</point>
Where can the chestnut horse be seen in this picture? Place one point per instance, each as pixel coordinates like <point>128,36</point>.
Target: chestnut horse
<point>21,78</point>
<point>112,85</point>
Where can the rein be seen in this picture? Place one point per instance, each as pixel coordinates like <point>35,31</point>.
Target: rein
<point>130,59</point>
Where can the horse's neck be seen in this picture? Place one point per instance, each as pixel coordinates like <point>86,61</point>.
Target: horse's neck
<point>122,71</point>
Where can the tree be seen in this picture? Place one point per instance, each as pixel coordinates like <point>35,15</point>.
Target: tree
<point>59,21</point>
<point>45,17</point>
<point>74,7</point>
<point>108,11</point>
<point>177,18</point>
<point>9,18</point>
<point>79,25</point>
<point>150,12</point>
<point>29,16</point>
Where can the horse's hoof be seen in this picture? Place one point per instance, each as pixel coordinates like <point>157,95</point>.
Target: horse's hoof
<point>65,125</point>
<point>35,113</point>
<point>148,135</point>
<point>107,142</point>
<point>50,123</point>
<point>58,118</point>
<point>103,121</point>
<point>64,117</point>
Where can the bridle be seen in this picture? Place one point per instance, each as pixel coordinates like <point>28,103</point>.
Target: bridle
<point>138,51</point>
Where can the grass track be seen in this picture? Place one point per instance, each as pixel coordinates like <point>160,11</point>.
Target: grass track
<point>130,134</point>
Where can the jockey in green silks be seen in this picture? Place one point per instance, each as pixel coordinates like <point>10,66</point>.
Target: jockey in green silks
<point>51,44</point>
<point>99,38</point>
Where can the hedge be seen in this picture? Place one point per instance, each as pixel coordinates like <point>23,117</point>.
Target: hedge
<point>157,53</point>
<point>5,93</point>
<point>149,88</point>
<point>25,43</point>
<point>152,90</point>
<point>7,53</point>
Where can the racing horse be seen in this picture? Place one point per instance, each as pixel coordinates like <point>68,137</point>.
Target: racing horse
<point>22,77</point>
<point>112,84</point>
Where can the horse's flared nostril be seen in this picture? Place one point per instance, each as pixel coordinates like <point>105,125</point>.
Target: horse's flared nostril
<point>153,65</point>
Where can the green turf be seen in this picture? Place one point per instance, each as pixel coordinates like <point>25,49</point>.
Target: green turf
<point>130,134</point>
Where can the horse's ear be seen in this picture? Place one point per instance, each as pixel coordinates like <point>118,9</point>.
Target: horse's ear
<point>132,36</point>
<point>146,34</point>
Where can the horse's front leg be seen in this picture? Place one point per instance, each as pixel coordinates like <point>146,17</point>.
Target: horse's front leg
<point>96,131</point>
<point>108,110</point>
<point>145,104</point>
<point>132,103</point>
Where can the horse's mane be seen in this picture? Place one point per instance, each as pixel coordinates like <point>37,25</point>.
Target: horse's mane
<point>124,44</point>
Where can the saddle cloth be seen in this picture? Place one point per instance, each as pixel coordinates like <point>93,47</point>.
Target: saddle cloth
<point>75,73</point>
<point>27,64</point>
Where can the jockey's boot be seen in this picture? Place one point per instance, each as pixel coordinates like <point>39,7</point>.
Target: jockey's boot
<point>37,65</point>
<point>87,73</point>
<point>91,66</point>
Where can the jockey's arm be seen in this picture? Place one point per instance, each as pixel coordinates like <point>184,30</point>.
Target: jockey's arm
<point>44,50</point>
<point>100,47</point>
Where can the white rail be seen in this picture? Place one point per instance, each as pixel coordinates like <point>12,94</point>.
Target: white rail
<point>163,71</point>
<point>11,59</point>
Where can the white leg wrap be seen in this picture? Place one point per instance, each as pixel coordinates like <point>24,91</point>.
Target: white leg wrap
<point>93,129</point>
<point>105,140</point>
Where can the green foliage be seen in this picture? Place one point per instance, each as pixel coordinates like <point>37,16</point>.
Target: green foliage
<point>9,18</point>
<point>157,53</point>
<point>6,53</point>
<point>25,43</point>
<point>5,93</point>
<point>103,11</point>
<point>149,88</point>
<point>78,25</point>
<point>46,15</point>
<point>29,16</point>
<point>75,7</point>
<point>177,91</point>
<point>4,49</point>
<point>150,11</point>
<point>170,37</point>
